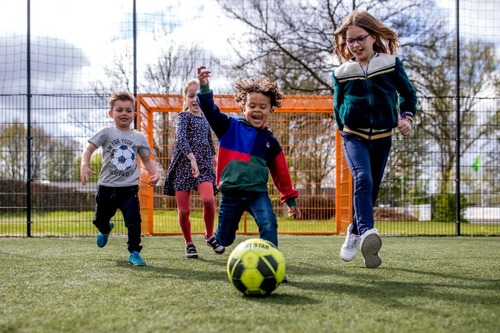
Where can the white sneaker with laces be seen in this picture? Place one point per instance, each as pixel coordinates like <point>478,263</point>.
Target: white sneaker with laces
<point>370,245</point>
<point>350,246</point>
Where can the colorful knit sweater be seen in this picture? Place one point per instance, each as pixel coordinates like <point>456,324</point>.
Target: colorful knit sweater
<point>246,154</point>
<point>370,101</point>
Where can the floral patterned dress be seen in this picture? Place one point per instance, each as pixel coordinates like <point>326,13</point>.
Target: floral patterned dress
<point>193,136</point>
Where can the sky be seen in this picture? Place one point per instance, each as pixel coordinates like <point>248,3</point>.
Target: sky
<point>80,33</point>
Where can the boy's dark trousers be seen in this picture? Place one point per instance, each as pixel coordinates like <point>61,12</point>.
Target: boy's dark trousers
<point>108,200</point>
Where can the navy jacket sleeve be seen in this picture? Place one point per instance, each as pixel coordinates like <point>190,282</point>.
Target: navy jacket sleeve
<point>219,122</point>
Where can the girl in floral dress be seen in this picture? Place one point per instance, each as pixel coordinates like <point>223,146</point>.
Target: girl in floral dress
<point>192,168</point>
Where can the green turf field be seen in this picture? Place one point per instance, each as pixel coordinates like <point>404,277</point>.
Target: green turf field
<point>425,284</point>
<point>74,224</point>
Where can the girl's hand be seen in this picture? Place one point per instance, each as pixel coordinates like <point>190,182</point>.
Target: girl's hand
<point>194,169</point>
<point>203,75</point>
<point>405,126</point>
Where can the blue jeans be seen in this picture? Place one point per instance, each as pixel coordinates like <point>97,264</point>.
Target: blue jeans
<point>366,160</point>
<point>108,200</point>
<point>231,208</point>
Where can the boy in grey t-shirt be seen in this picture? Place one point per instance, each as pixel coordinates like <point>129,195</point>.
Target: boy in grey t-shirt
<point>118,182</point>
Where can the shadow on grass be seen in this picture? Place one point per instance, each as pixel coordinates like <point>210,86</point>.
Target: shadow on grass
<point>220,275</point>
<point>388,286</point>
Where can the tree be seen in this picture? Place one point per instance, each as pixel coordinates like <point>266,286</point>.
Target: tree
<point>292,42</point>
<point>174,68</point>
<point>95,164</point>
<point>175,65</point>
<point>51,158</point>
<point>60,165</point>
<point>13,151</point>
<point>435,73</point>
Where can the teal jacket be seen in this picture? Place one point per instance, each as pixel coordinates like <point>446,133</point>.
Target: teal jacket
<point>370,103</point>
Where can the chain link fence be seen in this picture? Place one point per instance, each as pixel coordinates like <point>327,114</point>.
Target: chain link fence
<point>58,69</point>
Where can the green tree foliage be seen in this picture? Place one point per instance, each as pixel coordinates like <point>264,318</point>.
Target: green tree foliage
<point>435,74</point>
<point>94,164</point>
<point>51,158</point>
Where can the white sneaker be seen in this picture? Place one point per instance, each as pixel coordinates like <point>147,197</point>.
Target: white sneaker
<point>350,246</point>
<point>370,245</point>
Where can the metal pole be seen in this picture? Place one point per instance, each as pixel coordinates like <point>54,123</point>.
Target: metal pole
<point>457,109</point>
<point>28,122</point>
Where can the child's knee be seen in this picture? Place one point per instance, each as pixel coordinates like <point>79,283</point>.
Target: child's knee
<point>209,202</point>
<point>225,240</point>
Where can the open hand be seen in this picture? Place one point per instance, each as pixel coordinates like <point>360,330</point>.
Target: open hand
<point>203,75</point>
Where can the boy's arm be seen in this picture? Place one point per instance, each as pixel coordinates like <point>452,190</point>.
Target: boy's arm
<point>85,169</point>
<point>282,180</point>
<point>151,168</point>
<point>219,122</point>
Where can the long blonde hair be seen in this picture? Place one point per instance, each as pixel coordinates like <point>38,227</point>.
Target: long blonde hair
<point>386,40</point>
<point>184,92</point>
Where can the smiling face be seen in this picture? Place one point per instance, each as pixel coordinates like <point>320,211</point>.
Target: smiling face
<point>257,109</point>
<point>360,44</point>
<point>190,98</point>
<point>123,114</point>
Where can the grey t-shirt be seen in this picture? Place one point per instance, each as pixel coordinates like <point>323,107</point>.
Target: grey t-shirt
<point>120,151</point>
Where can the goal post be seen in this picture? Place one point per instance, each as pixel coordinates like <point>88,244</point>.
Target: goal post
<point>343,185</point>
<point>148,104</point>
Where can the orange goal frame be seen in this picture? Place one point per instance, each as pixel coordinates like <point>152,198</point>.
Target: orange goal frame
<point>148,104</point>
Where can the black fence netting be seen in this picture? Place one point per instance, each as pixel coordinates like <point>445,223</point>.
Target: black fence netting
<point>57,72</point>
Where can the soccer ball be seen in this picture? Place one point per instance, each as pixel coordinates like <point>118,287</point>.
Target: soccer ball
<point>256,267</point>
<point>123,157</point>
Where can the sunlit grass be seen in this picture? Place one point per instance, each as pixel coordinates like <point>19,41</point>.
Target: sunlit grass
<point>425,284</point>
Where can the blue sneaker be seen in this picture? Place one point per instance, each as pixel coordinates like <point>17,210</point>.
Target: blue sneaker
<point>102,239</point>
<point>135,259</point>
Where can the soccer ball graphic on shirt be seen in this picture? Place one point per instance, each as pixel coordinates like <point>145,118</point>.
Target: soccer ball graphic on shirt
<point>123,157</point>
<point>256,267</point>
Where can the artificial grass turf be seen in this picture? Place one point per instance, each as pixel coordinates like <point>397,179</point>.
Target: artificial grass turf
<point>79,224</point>
<point>425,284</point>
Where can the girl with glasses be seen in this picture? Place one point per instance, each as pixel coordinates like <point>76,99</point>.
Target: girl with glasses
<point>372,96</point>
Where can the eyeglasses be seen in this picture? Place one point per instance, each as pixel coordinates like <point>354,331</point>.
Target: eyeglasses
<point>361,40</point>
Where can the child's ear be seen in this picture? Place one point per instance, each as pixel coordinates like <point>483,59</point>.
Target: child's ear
<point>110,113</point>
